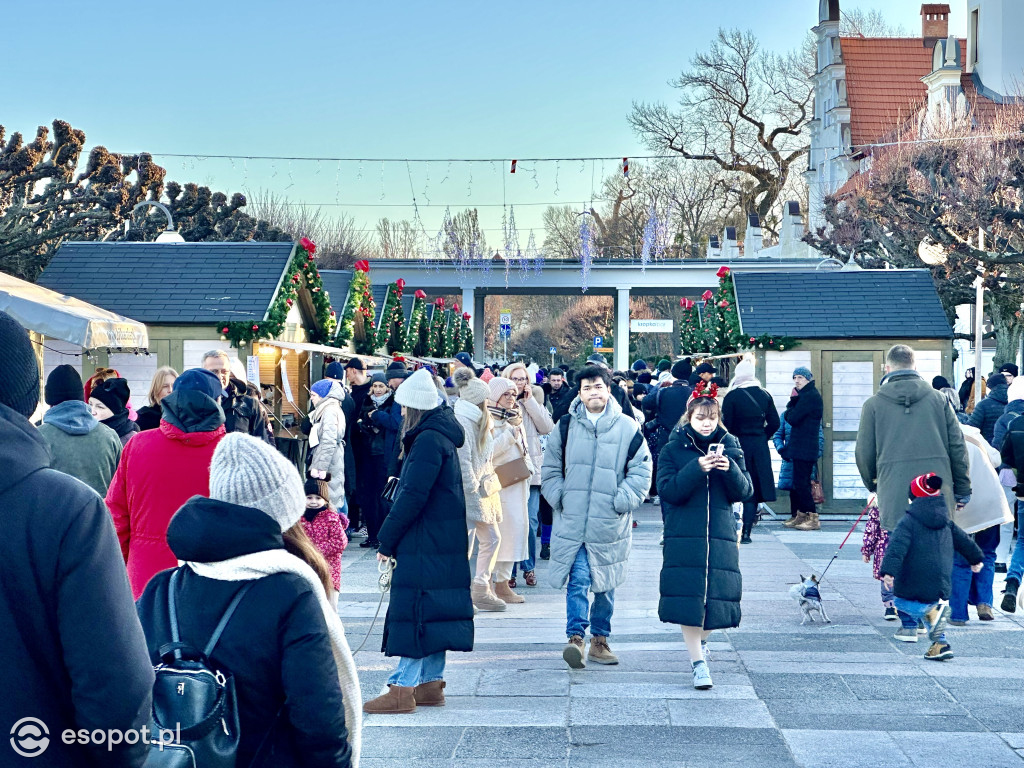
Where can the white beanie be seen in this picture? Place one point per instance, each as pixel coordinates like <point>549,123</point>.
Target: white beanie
<point>745,371</point>
<point>499,385</point>
<point>418,391</point>
<point>1016,390</point>
<point>665,377</point>
<point>248,472</point>
<point>471,389</point>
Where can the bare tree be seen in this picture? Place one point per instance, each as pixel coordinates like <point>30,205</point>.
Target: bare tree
<point>873,23</point>
<point>741,108</point>
<point>397,240</point>
<point>562,233</point>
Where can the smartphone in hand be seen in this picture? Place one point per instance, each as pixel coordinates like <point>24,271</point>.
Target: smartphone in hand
<point>716,449</point>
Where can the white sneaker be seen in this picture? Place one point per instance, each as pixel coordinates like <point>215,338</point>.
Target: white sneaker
<point>701,676</point>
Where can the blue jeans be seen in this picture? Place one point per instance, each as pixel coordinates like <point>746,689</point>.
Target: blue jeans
<point>888,598</point>
<point>413,672</point>
<point>577,601</point>
<point>533,510</point>
<point>974,588</point>
<point>1016,568</point>
<point>916,611</point>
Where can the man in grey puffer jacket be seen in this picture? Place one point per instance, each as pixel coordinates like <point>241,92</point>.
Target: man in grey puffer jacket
<point>592,503</point>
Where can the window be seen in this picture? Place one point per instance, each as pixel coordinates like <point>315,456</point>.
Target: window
<point>975,14</point>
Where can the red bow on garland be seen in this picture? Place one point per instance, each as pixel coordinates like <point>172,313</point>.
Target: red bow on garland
<point>420,294</point>
<point>308,244</point>
<point>362,266</point>
<point>687,303</point>
<point>400,283</point>
<point>465,315</point>
<point>707,295</point>
<point>722,272</point>
<point>439,302</point>
<point>455,307</point>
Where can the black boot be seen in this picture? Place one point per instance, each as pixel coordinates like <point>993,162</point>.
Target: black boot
<point>745,536</point>
<point>1009,604</point>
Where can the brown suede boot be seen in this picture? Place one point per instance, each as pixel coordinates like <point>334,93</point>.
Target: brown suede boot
<point>504,592</point>
<point>485,600</point>
<point>430,694</point>
<point>793,522</point>
<point>573,653</point>
<point>812,523</point>
<point>599,651</point>
<point>399,700</point>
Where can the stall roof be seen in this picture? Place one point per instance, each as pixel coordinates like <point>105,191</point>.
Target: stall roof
<point>301,346</point>
<point>173,283</point>
<point>864,304</point>
<point>69,319</point>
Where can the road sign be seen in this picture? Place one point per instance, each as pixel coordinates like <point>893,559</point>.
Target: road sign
<point>650,326</point>
<point>552,351</point>
<point>604,350</point>
<point>506,317</point>
<point>598,341</point>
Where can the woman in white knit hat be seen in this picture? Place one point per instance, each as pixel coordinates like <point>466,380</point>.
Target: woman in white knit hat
<point>297,688</point>
<point>511,462</point>
<point>479,483</point>
<point>430,611</point>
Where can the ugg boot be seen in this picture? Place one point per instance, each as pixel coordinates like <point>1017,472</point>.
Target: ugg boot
<point>399,700</point>
<point>812,523</point>
<point>430,694</point>
<point>1009,604</point>
<point>599,651</point>
<point>485,600</point>
<point>504,592</point>
<point>793,522</point>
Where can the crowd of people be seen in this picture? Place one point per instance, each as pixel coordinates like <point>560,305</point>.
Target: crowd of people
<point>452,483</point>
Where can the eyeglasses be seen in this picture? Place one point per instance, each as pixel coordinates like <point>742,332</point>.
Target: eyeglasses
<point>518,379</point>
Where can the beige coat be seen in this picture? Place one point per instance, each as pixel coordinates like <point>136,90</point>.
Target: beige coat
<point>536,421</point>
<point>479,483</point>
<point>988,505</point>
<point>509,445</point>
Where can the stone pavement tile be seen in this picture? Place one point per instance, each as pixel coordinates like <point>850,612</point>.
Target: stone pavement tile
<point>819,706</point>
<point>849,749</point>
<point>480,711</point>
<point>661,745</point>
<point>396,743</point>
<point>800,718</point>
<point>980,669</point>
<point>584,711</point>
<point>982,749</point>
<point>981,696</point>
<point>907,690</point>
<point>883,660</point>
<point>511,742</point>
<point>826,640</point>
<point>834,668</point>
<point>1015,740</point>
<point>460,681</point>
<point>614,690</point>
<point>797,686</point>
<point>998,718</point>
<point>533,683</point>
<point>483,762</point>
<point>721,714</point>
<point>681,678</point>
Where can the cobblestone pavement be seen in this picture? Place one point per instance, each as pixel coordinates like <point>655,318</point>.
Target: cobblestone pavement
<point>842,694</point>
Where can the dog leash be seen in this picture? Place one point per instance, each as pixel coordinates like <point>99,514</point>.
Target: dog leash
<point>385,568</point>
<point>848,535</point>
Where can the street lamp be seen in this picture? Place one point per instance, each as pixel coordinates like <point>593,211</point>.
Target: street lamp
<point>933,254</point>
<point>169,235</point>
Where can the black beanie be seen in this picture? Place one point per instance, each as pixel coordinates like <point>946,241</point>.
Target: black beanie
<point>315,487</point>
<point>941,382</point>
<point>682,370</point>
<point>19,370</point>
<point>1011,369</point>
<point>113,393</point>
<point>64,383</point>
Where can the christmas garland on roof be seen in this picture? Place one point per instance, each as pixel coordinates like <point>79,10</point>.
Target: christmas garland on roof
<point>467,334</point>
<point>417,337</point>
<point>301,269</point>
<point>391,331</point>
<point>356,323</point>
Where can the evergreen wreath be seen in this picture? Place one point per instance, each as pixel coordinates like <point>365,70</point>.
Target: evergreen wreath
<point>301,270</point>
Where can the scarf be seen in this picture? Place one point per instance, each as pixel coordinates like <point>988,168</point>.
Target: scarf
<point>260,564</point>
<point>379,400</point>
<point>311,514</point>
<point>119,423</point>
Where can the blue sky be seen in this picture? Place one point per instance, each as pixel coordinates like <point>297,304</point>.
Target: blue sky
<point>391,80</point>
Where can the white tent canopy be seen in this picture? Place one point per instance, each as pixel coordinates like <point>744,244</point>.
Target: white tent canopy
<point>57,316</point>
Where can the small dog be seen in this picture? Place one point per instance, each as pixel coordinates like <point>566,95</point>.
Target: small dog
<point>808,598</point>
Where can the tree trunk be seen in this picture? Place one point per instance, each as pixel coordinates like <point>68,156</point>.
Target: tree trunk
<point>1009,328</point>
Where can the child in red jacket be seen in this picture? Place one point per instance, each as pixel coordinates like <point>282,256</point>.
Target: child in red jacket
<point>326,527</point>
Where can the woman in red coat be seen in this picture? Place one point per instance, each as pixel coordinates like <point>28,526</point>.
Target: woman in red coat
<point>163,468</point>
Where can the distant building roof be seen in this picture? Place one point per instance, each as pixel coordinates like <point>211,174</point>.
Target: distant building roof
<point>335,282</point>
<point>883,83</point>
<point>872,303</point>
<point>172,283</point>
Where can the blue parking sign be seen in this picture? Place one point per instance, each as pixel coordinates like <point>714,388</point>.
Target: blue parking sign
<point>598,341</point>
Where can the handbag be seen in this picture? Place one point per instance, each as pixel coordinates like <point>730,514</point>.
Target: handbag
<point>817,492</point>
<point>390,490</point>
<point>513,472</point>
<point>764,419</point>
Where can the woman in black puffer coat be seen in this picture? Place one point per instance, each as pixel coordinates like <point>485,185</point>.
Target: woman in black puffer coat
<point>430,611</point>
<point>803,414</point>
<point>700,577</point>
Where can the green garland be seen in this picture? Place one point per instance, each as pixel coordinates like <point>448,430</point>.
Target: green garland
<point>301,270</point>
<point>768,341</point>
<point>452,332</point>
<point>467,334</point>
<point>417,337</point>
<point>357,318</point>
<point>691,335</point>
<point>391,330</point>
<point>435,343</point>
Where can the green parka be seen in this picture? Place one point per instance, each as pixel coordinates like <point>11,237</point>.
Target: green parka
<point>906,430</point>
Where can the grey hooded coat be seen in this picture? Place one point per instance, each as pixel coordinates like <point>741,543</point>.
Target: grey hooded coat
<point>592,503</point>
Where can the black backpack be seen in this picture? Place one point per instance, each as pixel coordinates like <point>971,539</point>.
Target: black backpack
<point>563,431</point>
<point>191,695</point>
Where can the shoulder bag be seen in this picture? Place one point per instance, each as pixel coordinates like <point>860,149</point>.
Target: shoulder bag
<point>514,471</point>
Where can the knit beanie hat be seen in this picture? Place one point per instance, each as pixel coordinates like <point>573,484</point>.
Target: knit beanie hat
<point>113,393</point>
<point>704,368</point>
<point>335,370</point>
<point>378,378</point>
<point>64,383</point>
<point>804,371</point>
<point>487,375</point>
<point>940,383</point>
<point>19,371</point>
<point>248,472</point>
<point>744,371</point>
<point>1011,369</point>
<point>198,380</point>
<point>499,385</point>
<point>644,377</point>
<point>923,486</point>
<point>322,388</point>
<point>663,365</point>
<point>1016,390</point>
<point>996,380</point>
<point>418,391</point>
<point>471,389</point>
<point>665,377</point>
<point>640,365</point>
<point>319,487</point>
<point>681,370</point>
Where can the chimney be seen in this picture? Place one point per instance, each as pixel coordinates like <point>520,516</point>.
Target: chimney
<point>935,20</point>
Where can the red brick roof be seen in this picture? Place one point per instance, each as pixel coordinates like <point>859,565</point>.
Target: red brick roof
<point>883,83</point>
